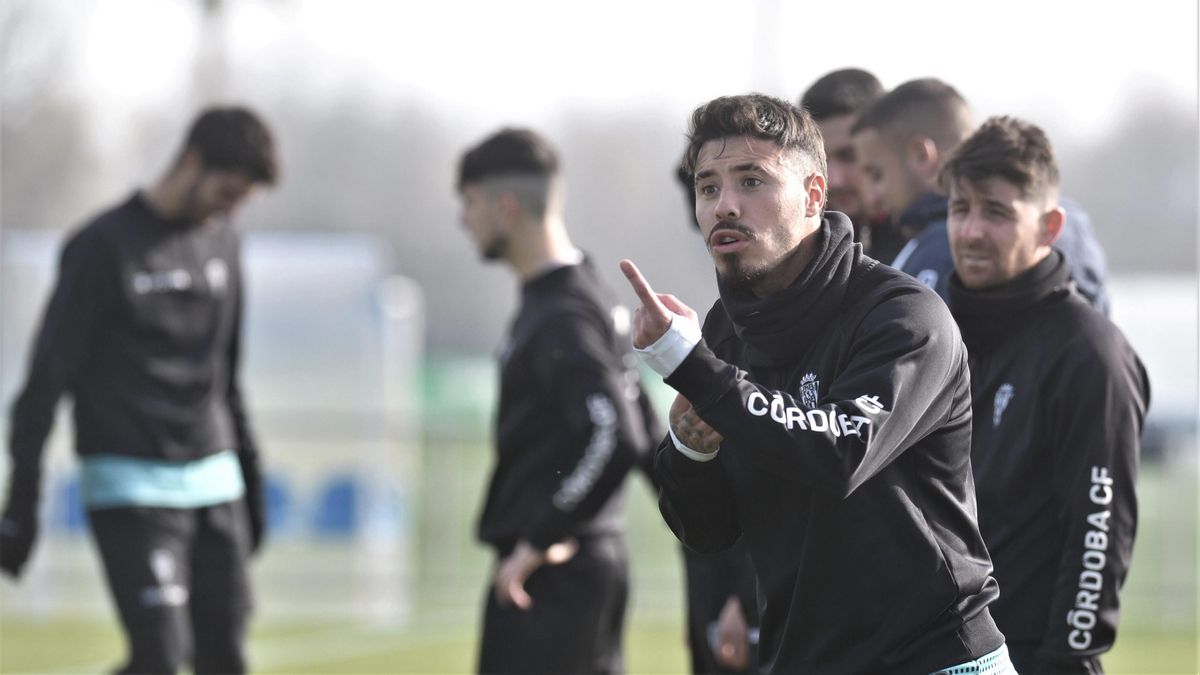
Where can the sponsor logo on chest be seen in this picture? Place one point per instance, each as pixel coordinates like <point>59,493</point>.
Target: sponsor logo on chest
<point>807,416</point>
<point>216,277</point>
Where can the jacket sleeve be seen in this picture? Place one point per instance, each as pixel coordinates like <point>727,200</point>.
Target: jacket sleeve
<point>588,398</point>
<point>896,385</point>
<point>1096,410</point>
<point>82,294</point>
<point>696,500</point>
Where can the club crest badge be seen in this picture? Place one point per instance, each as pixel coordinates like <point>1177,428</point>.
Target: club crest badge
<point>808,390</point>
<point>1003,395</point>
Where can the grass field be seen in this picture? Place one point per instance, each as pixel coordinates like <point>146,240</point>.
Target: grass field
<point>83,646</point>
<point>1158,633</point>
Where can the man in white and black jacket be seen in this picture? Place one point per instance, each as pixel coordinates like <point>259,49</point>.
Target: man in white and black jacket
<point>1059,397</point>
<point>143,333</point>
<point>572,421</point>
<point>823,416</point>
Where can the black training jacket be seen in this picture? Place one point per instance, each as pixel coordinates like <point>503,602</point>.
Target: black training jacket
<point>569,425</point>
<point>845,409</point>
<point>1059,399</point>
<point>142,332</point>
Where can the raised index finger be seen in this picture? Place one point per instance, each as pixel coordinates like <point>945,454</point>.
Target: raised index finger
<point>641,286</point>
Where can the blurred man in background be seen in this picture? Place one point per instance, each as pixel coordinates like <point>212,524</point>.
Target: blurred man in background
<point>901,141</point>
<point>569,425</point>
<point>834,102</point>
<point>1059,400</point>
<point>807,421</point>
<point>143,331</point>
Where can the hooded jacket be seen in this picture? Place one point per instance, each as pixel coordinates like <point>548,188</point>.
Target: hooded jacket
<point>844,405</point>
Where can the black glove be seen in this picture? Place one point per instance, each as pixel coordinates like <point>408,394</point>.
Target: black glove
<point>255,502</point>
<point>18,531</point>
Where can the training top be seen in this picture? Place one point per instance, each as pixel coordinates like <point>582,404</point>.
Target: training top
<point>927,255</point>
<point>142,332</point>
<point>569,425</point>
<point>844,405</point>
<point>1060,398</point>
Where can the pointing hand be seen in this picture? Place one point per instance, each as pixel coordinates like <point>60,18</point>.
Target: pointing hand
<point>653,317</point>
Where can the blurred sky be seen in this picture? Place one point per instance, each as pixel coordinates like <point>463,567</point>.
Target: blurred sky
<point>374,100</point>
<point>1068,64</point>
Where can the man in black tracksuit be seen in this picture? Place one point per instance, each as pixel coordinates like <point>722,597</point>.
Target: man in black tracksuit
<point>143,333</point>
<point>1059,399</point>
<point>571,423</point>
<point>823,417</point>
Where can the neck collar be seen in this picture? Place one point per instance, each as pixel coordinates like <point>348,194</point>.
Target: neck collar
<point>778,327</point>
<point>985,316</point>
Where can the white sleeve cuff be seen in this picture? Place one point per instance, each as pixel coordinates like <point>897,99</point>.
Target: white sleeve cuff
<point>665,355</point>
<point>690,453</point>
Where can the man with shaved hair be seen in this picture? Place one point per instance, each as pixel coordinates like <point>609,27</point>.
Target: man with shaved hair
<point>1059,398</point>
<point>823,417</point>
<point>902,140</point>
<point>572,420</point>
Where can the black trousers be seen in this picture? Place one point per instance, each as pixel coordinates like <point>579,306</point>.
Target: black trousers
<point>576,621</point>
<point>179,580</point>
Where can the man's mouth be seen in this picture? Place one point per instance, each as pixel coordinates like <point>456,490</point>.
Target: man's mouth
<point>729,239</point>
<point>974,257</point>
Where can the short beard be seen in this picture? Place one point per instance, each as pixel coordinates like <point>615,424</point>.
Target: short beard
<point>738,277</point>
<point>495,249</point>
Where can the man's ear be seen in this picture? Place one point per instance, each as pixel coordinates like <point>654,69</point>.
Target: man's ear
<point>924,158</point>
<point>816,192</point>
<point>1052,225</point>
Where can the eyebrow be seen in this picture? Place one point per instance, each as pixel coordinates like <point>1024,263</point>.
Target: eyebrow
<point>748,166</point>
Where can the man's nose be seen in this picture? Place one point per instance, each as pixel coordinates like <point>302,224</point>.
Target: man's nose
<point>727,206</point>
<point>971,228</point>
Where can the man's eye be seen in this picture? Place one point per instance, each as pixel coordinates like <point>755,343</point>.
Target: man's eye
<point>707,189</point>
<point>752,182</point>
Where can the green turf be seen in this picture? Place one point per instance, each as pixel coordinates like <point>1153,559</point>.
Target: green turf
<point>90,645</point>
<point>1158,633</point>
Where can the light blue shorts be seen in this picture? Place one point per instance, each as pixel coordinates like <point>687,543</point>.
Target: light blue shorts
<point>992,663</point>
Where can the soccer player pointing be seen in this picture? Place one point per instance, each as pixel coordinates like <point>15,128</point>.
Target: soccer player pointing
<point>823,417</point>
